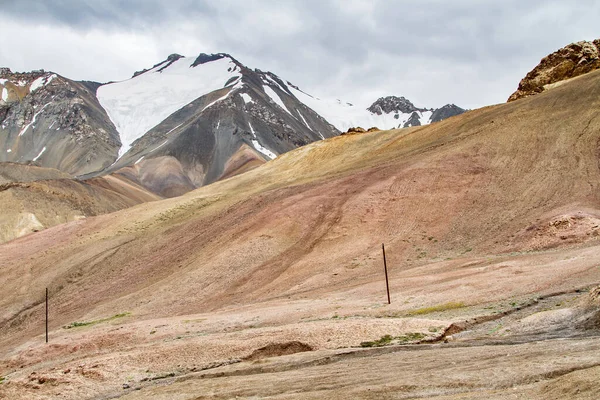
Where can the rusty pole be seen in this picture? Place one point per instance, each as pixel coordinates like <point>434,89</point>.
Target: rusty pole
<point>387,283</point>
<point>46,315</point>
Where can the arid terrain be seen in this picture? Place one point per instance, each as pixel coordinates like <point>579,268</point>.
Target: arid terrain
<point>270,284</point>
<point>35,198</point>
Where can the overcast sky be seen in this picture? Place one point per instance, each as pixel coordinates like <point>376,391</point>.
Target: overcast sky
<point>469,52</point>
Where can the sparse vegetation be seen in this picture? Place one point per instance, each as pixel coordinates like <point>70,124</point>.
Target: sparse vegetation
<point>453,305</point>
<point>389,339</point>
<point>383,341</point>
<point>2,379</point>
<point>98,321</point>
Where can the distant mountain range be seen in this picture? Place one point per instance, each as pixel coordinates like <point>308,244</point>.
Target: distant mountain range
<point>184,123</point>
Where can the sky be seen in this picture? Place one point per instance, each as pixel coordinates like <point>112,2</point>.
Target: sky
<point>468,52</point>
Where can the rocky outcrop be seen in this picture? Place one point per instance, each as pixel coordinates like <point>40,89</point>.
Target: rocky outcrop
<point>354,130</point>
<point>570,61</point>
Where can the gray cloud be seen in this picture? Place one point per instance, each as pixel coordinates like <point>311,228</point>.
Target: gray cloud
<point>469,52</point>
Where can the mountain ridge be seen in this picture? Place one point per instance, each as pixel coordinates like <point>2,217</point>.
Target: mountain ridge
<point>192,115</point>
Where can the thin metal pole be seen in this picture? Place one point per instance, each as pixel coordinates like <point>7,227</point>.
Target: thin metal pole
<point>387,283</point>
<point>46,315</point>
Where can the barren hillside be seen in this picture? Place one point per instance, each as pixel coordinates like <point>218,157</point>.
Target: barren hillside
<point>482,214</point>
<point>35,198</point>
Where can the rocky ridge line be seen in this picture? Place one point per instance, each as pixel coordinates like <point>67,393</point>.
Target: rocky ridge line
<point>572,60</point>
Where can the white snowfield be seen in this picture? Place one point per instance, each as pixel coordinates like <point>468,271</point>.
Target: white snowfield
<point>276,99</point>
<point>246,97</point>
<point>138,104</point>
<point>343,115</point>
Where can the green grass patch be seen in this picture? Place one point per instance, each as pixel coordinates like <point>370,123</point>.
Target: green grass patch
<point>387,340</point>
<point>98,321</point>
<point>453,305</point>
<point>2,379</point>
<point>383,341</point>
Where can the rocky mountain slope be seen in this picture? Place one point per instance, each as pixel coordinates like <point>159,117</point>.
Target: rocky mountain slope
<point>188,122</point>
<point>184,123</point>
<point>55,122</point>
<point>573,60</point>
<point>189,292</point>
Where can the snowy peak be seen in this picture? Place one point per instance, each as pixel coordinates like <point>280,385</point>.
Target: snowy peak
<point>138,104</point>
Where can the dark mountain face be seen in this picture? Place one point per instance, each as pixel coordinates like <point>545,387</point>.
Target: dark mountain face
<point>58,123</point>
<point>413,120</point>
<point>393,104</point>
<point>447,111</point>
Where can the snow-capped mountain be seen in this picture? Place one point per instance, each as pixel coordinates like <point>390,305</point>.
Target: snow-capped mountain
<point>181,124</point>
<point>187,122</point>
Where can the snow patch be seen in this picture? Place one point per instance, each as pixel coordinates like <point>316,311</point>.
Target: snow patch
<point>139,160</point>
<point>38,83</point>
<point>9,151</point>
<point>268,153</point>
<point>52,124</point>
<point>39,155</point>
<point>137,105</point>
<point>276,99</point>
<point>158,147</point>
<point>4,94</point>
<point>41,81</point>
<point>174,128</point>
<point>425,118</point>
<point>215,102</point>
<point>3,81</point>
<point>246,97</point>
<point>32,120</point>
